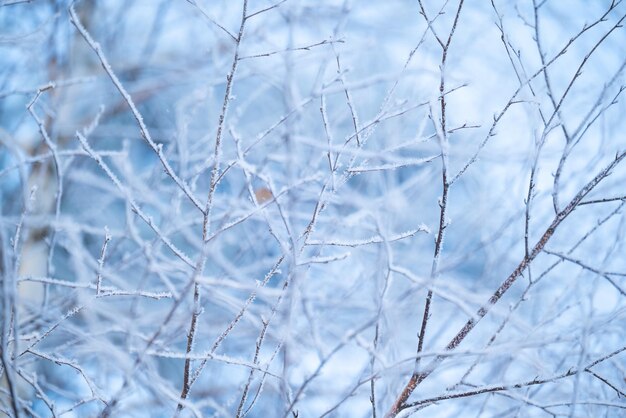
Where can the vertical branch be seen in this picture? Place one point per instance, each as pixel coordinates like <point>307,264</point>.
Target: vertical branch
<point>373,380</point>
<point>10,319</point>
<point>329,139</point>
<point>107,238</point>
<point>59,179</point>
<point>273,271</point>
<point>529,198</point>
<point>188,379</point>
<point>346,92</point>
<point>259,343</point>
<point>443,204</point>
<point>220,126</point>
<point>255,361</point>
<point>190,340</point>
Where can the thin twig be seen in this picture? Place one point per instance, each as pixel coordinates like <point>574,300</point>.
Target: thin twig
<point>416,379</point>
<point>143,129</point>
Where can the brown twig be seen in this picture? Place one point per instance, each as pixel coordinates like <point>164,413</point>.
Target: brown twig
<point>416,379</point>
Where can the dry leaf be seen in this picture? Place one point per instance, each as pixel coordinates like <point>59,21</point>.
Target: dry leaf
<point>263,194</point>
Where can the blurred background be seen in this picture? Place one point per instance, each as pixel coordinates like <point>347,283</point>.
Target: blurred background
<point>254,188</point>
